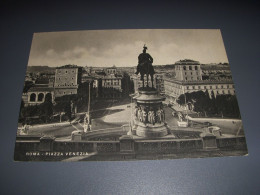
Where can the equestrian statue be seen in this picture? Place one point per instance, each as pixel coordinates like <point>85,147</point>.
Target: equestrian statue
<point>145,67</point>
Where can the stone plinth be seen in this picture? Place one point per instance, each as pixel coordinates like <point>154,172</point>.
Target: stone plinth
<point>209,140</point>
<point>126,143</point>
<point>149,130</point>
<point>76,135</point>
<point>149,116</point>
<point>46,143</point>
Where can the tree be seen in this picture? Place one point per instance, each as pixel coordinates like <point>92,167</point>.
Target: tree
<point>225,105</point>
<point>181,99</point>
<point>27,86</point>
<point>200,100</point>
<point>46,108</point>
<point>67,110</point>
<point>21,113</point>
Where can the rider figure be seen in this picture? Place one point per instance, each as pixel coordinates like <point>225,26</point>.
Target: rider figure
<point>144,58</point>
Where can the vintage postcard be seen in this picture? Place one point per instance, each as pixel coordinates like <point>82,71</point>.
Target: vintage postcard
<point>143,94</point>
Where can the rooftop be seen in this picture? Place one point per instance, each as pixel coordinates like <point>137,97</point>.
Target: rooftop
<point>37,88</point>
<point>68,66</point>
<point>187,62</point>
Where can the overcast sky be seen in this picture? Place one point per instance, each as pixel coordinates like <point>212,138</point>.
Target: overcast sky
<point>122,47</point>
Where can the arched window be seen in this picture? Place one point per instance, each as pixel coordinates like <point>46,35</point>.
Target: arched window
<point>40,97</point>
<point>190,68</point>
<point>184,67</point>
<point>32,97</point>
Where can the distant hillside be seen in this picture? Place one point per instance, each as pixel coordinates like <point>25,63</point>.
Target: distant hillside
<point>215,66</point>
<point>167,66</point>
<point>41,69</point>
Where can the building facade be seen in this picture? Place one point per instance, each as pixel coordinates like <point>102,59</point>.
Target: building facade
<point>112,81</point>
<point>188,70</point>
<point>67,80</point>
<point>189,79</point>
<point>111,84</point>
<point>36,95</point>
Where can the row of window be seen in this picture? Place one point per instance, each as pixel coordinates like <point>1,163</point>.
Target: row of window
<point>33,97</point>
<point>187,67</point>
<point>179,92</point>
<point>111,71</point>
<point>66,71</point>
<point>111,80</point>
<point>191,78</point>
<point>65,84</point>
<point>211,87</point>
<point>65,92</point>
<point>116,83</point>
<point>223,92</point>
<point>66,78</point>
<point>197,73</point>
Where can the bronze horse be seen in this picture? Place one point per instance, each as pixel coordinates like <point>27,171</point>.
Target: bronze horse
<point>145,67</point>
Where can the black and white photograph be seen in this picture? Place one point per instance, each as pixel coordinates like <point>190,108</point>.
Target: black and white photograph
<point>136,94</point>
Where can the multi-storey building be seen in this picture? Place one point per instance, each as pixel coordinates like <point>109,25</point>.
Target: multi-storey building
<point>67,80</point>
<point>189,79</point>
<point>111,84</point>
<point>112,81</point>
<point>188,70</point>
<point>36,93</point>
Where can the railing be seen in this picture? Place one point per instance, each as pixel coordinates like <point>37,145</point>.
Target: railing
<point>35,144</point>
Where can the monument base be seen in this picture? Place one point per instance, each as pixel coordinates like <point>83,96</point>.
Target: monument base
<point>209,141</point>
<point>151,131</point>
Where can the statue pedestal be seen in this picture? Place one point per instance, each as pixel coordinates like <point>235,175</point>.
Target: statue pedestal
<point>151,131</point>
<point>149,114</point>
